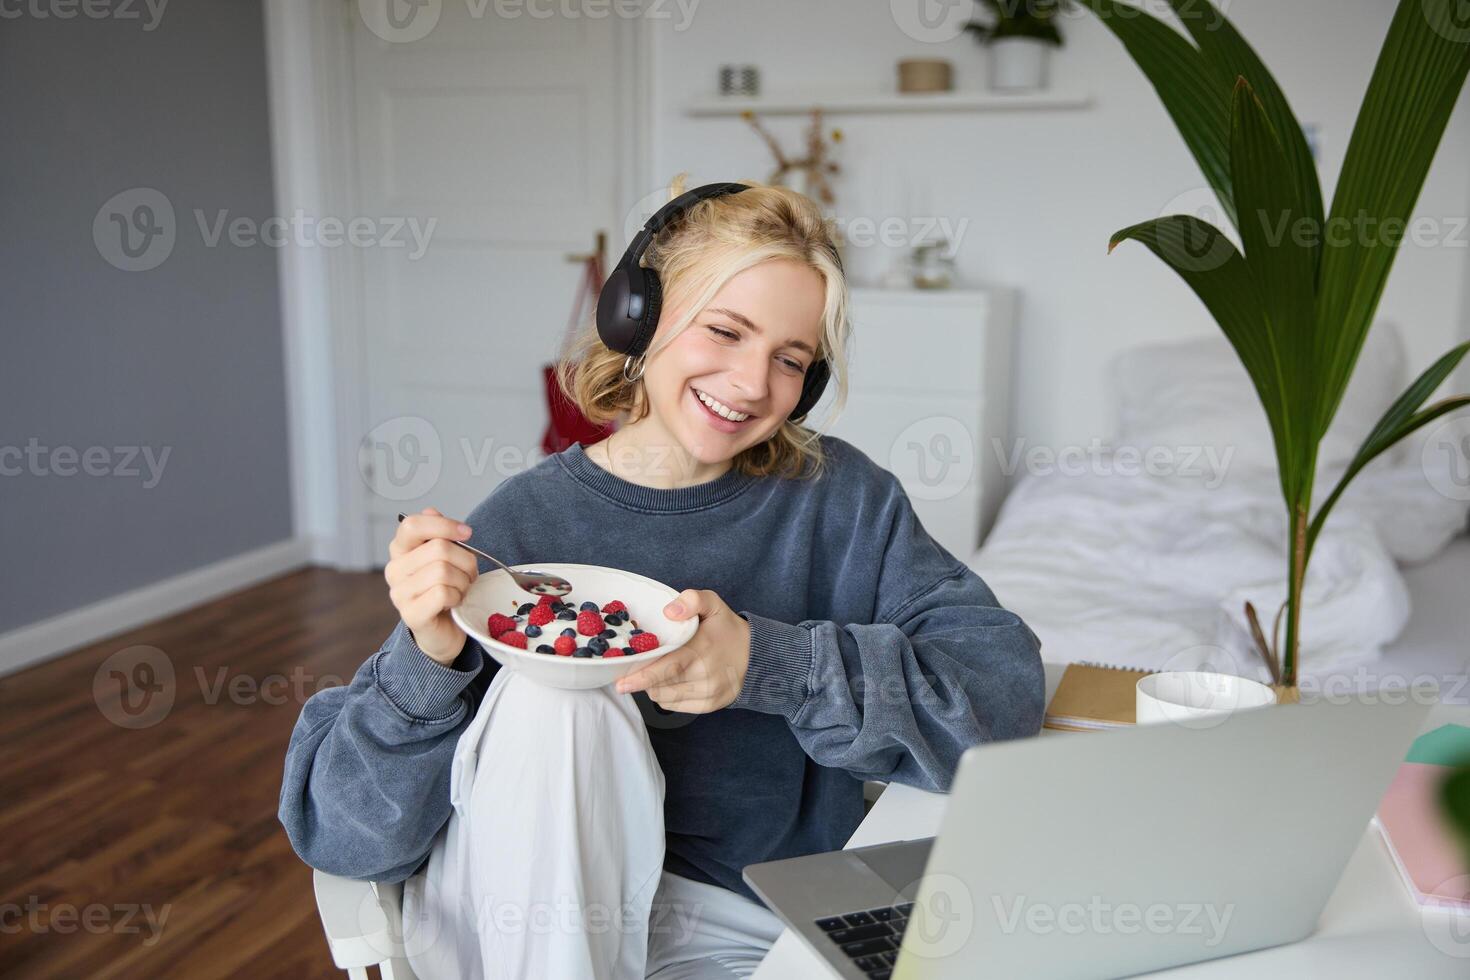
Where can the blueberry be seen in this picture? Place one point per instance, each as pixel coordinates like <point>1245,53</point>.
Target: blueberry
<point>533,630</point>
<point>611,619</point>
<point>608,634</point>
<point>597,644</point>
<point>629,651</point>
<point>589,604</point>
<point>582,652</point>
<point>635,632</point>
<point>525,608</point>
<point>569,632</point>
<point>566,614</point>
<point>543,648</point>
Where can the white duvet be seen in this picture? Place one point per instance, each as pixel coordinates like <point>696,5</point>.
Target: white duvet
<point>1153,571</point>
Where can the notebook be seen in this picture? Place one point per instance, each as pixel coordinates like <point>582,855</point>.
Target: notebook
<point>1094,697</point>
<point>1431,862</point>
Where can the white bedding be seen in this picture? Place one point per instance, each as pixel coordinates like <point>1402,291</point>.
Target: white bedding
<point>1154,571</point>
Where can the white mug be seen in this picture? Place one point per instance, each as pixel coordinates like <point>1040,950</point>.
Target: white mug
<point>1196,698</point>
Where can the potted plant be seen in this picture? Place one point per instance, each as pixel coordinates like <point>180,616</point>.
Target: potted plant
<point>1297,302</point>
<point>1019,35</point>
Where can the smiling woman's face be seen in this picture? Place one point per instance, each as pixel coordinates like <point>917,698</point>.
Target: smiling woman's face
<point>748,350</point>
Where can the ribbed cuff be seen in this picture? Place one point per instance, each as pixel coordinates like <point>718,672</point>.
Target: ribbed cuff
<point>420,686</point>
<point>777,679</point>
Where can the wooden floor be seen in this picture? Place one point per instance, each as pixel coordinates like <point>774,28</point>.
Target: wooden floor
<point>101,825</point>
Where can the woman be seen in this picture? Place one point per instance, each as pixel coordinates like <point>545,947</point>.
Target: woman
<point>838,642</point>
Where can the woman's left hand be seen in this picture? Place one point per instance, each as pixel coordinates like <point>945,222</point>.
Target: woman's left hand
<point>706,673</point>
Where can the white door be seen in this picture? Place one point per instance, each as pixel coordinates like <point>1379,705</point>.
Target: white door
<point>501,142</point>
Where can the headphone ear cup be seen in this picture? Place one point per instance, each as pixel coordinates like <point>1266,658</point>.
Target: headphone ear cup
<point>811,389</point>
<point>653,304</point>
<point>617,330</point>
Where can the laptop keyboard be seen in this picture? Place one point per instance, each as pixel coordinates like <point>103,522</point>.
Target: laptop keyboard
<point>869,938</point>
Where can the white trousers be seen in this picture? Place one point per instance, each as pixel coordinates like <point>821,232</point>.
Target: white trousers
<point>551,862</point>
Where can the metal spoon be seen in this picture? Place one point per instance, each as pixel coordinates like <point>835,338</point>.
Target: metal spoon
<point>536,583</point>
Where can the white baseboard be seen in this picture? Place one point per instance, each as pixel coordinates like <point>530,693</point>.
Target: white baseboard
<point>65,632</point>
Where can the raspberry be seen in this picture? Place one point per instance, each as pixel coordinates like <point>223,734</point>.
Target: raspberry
<point>643,642</point>
<point>513,638</point>
<point>498,624</point>
<point>612,652</point>
<point>589,623</point>
<point>540,616</point>
<point>615,606</point>
<point>546,600</point>
<point>564,646</point>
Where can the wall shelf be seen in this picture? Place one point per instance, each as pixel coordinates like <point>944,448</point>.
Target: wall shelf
<point>834,103</point>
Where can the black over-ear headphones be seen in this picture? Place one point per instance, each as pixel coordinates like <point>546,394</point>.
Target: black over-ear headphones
<point>629,305</point>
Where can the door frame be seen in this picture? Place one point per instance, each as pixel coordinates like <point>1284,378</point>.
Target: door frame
<point>309,73</point>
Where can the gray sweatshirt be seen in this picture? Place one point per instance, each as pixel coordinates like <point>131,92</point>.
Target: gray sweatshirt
<point>874,654</point>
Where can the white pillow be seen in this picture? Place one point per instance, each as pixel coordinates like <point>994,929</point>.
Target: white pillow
<point>1196,393</point>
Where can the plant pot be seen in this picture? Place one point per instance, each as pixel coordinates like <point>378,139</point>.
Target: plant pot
<point>1287,693</point>
<point>1019,64</point>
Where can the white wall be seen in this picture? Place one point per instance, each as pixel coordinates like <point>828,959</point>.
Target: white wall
<point>1042,191</point>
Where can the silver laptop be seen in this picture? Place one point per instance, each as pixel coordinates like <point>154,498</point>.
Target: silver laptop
<point>1108,854</point>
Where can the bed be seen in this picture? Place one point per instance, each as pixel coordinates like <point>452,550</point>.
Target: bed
<point>1150,566</point>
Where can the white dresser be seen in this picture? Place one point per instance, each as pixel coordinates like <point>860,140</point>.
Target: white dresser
<point>929,400</point>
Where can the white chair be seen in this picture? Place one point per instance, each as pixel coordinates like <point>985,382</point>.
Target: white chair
<point>364,925</point>
<point>364,920</point>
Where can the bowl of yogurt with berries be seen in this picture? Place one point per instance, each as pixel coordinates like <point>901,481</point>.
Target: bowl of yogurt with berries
<point>610,624</point>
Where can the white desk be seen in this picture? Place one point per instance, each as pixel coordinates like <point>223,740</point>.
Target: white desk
<point>1371,927</point>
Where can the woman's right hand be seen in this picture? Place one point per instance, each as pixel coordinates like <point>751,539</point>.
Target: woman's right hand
<point>428,575</point>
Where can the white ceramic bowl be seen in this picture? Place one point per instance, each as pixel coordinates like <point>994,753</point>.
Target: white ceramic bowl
<point>644,597</point>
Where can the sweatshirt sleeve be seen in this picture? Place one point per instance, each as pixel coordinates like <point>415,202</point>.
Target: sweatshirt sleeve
<point>942,668</point>
<point>366,786</point>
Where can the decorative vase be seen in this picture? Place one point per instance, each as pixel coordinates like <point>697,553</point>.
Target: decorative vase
<point>1019,64</point>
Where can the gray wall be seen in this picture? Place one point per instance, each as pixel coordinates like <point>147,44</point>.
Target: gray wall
<point>183,358</point>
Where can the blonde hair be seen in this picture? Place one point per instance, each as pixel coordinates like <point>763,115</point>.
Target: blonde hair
<point>695,256</point>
